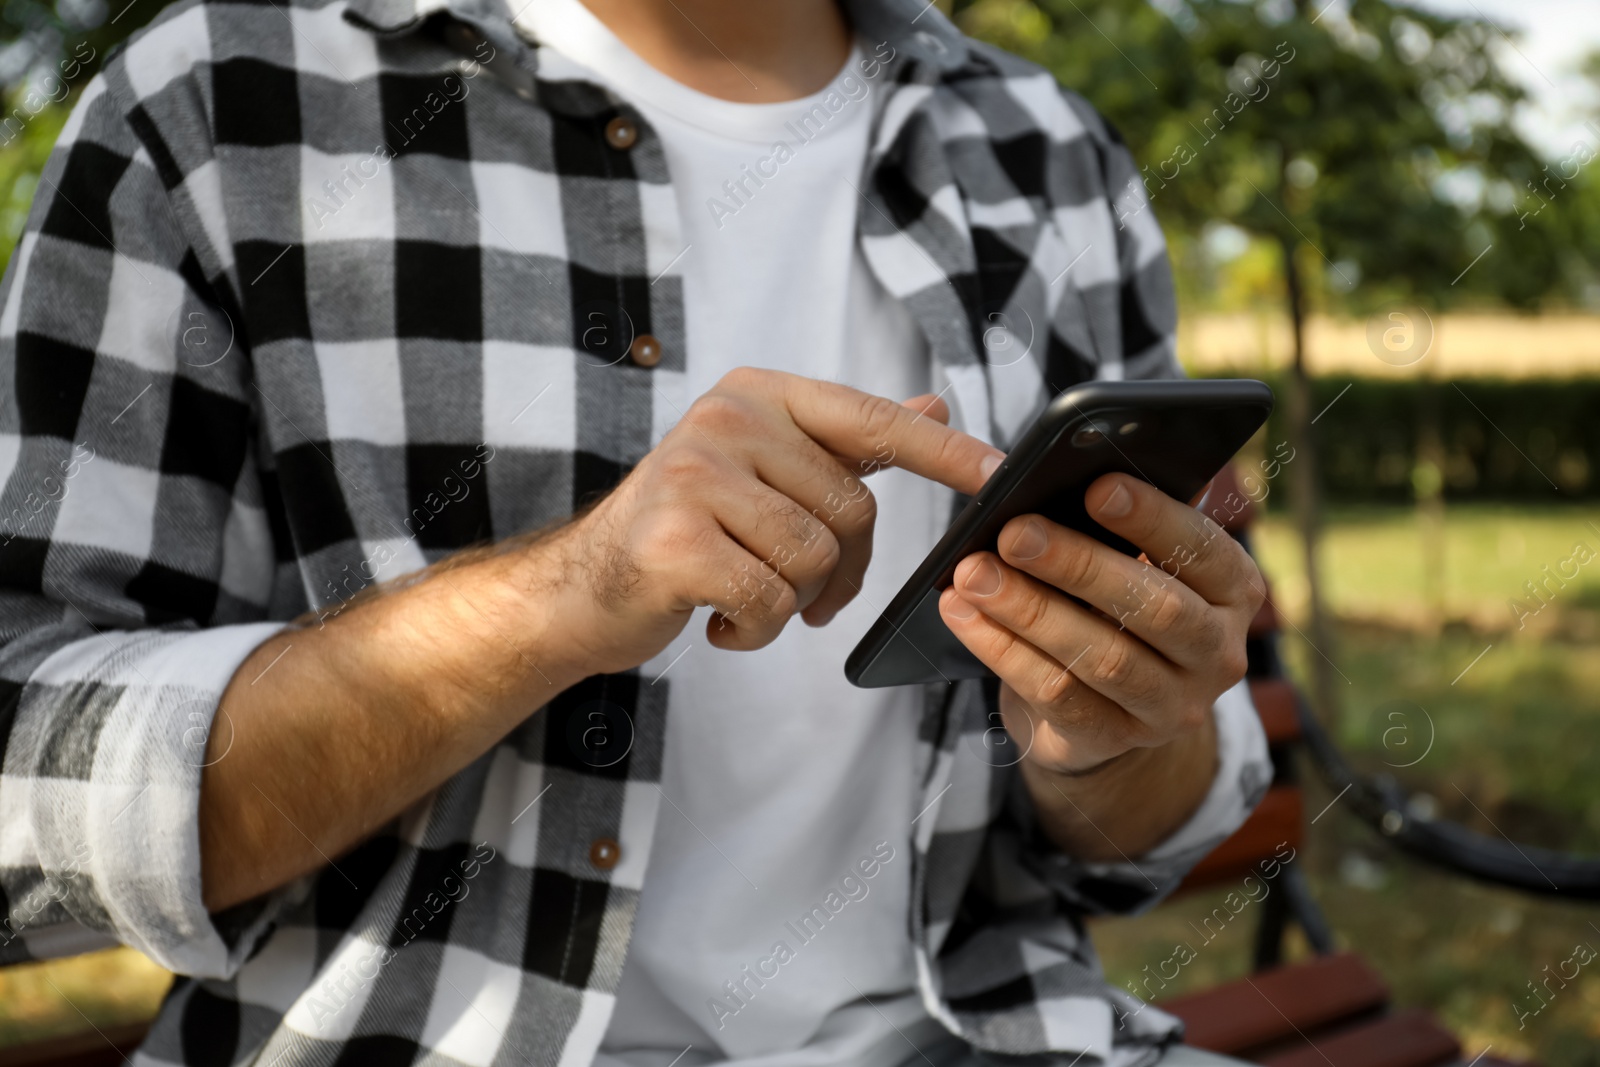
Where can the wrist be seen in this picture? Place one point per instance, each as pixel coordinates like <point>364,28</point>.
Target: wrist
<point>1125,806</point>
<point>478,634</point>
<point>537,584</point>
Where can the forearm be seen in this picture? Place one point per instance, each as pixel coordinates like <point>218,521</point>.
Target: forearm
<point>1130,805</point>
<point>328,731</point>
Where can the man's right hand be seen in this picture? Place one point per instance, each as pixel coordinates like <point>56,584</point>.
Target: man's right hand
<point>753,504</point>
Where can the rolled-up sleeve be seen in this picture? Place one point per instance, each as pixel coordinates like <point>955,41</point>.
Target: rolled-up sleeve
<point>136,555</point>
<point>100,790</point>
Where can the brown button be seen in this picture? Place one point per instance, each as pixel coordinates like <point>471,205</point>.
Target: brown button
<point>604,853</point>
<point>621,132</point>
<point>645,350</point>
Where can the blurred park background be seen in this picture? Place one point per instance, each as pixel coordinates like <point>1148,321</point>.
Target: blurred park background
<point>1391,212</point>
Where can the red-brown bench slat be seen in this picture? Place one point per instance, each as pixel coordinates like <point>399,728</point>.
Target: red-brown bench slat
<point>1278,820</point>
<point>1408,1038</point>
<point>1277,704</point>
<point>1273,1005</point>
<point>107,1047</point>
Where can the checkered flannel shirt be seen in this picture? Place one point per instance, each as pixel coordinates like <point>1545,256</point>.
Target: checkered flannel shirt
<point>314,294</point>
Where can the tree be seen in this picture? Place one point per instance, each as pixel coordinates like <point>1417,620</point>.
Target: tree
<point>48,53</point>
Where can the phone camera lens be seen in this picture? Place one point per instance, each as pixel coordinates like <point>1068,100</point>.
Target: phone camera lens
<point>1087,436</point>
<point>1128,427</point>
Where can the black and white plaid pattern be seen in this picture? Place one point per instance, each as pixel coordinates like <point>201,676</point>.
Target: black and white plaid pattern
<point>314,294</point>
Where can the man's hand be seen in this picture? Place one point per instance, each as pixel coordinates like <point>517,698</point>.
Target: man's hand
<point>1128,685</point>
<point>754,504</point>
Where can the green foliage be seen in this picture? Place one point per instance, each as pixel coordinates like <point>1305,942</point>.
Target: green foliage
<point>48,53</point>
<point>20,164</point>
<point>45,33</point>
<point>1373,142</point>
<point>1522,440</point>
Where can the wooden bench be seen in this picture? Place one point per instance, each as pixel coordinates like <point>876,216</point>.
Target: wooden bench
<point>1332,1010</point>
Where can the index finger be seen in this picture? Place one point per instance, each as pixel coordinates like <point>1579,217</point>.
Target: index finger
<point>1184,543</point>
<point>875,429</point>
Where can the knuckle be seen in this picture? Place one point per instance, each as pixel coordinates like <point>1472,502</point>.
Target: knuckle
<point>953,449</point>
<point>1234,660</point>
<point>1255,592</point>
<point>1213,636</point>
<point>783,599</point>
<point>1032,607</point>
<point>684,467</point>
<point>1193,717</point>
<point>1056,689</point>
<point>1199,552</point>
<point>719,410</point>
<point>877,415</point>
<point>860,510</point>
<point>821,555</point>
<point>752,592</point>
<point>801,525</point>
<point>1115,665</point>
<point>1078,566</point>
<point>742,380</point>
<point>1171,609</point>
<point>1004,648</point>
<point>683,536</point>
<point>1249,577</point>
<point>1214,544</point>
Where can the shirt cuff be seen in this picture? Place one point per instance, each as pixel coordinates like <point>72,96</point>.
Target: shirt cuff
<point>118,822</point>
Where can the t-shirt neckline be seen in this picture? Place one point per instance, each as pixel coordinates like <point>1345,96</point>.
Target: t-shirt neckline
<point>572,31</point>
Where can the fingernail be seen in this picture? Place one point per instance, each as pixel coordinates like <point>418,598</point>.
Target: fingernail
<point>984,579</point>
<point>959,609</point>
<point>1031,542</point>
<point>989,465</point>
<point>1118,504</point>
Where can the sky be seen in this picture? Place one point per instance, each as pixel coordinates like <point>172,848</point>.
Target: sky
<point>1556,34</point>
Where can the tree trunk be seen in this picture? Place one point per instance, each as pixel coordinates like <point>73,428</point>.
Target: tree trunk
<point>1427,485</point>
<point>1306,497</point>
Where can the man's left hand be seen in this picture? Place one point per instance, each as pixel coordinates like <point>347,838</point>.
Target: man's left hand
<point>1085,688</point>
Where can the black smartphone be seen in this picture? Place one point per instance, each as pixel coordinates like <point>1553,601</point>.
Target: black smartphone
<point>1175,434</point>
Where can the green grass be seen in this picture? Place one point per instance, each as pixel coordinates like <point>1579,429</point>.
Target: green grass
<point>1516,733</point>
<point>1377,561</point>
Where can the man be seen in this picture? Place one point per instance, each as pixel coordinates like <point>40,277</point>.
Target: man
<point>427,421</point>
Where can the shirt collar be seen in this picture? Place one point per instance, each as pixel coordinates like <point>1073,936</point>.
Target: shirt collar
<point>914,28</point>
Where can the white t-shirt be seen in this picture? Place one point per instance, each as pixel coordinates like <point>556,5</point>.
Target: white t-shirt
<point>784,784</point>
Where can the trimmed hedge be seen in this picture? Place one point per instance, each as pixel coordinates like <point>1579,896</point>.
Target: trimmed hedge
<point>1501,440</point>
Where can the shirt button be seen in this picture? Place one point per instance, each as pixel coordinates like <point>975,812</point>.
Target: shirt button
<point>645,350</point>
<point>604,853</point>
<point>621,132</point>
